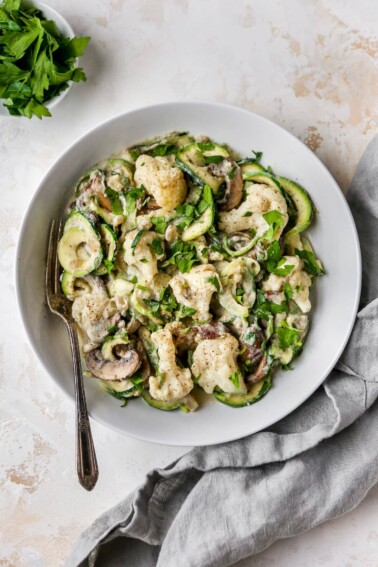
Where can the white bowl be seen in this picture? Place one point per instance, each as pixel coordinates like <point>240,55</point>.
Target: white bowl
<point>66,30</point>
<point>333,235</point>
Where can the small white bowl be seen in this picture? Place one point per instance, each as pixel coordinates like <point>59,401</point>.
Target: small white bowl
<point>66,30</point>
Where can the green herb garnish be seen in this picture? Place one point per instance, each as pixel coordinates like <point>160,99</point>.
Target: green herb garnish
<point>215,281</point>
<point>131,198</point>
<point>137,237</point>
<point>183,255</point>
<point>235,378</point>
<point>157,246</point>
<point>160,224</point>
<point>36,61</point>
<point>287,336</point>
<point>275,220</point>
<point>311,264</point>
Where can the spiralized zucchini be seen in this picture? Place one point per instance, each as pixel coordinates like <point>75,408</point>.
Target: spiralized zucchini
<point>187,270</point>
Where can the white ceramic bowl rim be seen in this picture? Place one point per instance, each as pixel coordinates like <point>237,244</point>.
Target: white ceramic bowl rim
<point>342,340</point>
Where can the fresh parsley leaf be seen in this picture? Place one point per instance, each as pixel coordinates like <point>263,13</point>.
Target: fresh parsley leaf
<point>311,264</point>
<point>153,305</point>
<point>75,47</point>
<point>183,255</point>
<point>287,336</point>
<point>187,214</point>
<point>131,198</point>
<point>235,378</point>
<point>185,312</point>
<point>136,239</point>
<point>284,270</point>
<point>205,146</point>
<point>160,224</point>
<point>215,281</point>
<point>135,153</point>
<point>258,156</point>
<point>163,150</point>
<point>213,159</point>
<point>206,199</point>
<point>274,251</point>
<point>278,307</point>
<point>137,381</point>
<point>248,214</point>
<point>288,291</point>
<point>35,108</point>
<point>157,246</point>
<point>115,201</point>
<point>275,220</point>
<point>34,53</point>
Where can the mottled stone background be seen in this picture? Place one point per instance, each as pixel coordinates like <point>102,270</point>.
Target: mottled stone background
<point>310,66</point>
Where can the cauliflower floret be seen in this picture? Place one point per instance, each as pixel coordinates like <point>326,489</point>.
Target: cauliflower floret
<point>172,382</point>
<point>195,289</point>
<point>214,361</point>
<point>260,199</point>
<point>163,181</point>
<point>95,313</point>
<point>299,281</point>
<point>141,256</point>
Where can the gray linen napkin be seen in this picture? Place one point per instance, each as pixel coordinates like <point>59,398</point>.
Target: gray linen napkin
<point>217,505</point>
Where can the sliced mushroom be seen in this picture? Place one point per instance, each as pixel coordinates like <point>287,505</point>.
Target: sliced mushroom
<point>212,330</point>
<point>152,205</point>
<point>259,373</point>
<point>251,350</point>
<point>145,367</point>
<point>118,369</point>
<point>230,171</point>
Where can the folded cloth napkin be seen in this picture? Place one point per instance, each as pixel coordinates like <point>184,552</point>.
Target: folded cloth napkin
<point>217,505</point>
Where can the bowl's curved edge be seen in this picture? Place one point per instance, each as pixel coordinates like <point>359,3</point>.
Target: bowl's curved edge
<point>347,333</point>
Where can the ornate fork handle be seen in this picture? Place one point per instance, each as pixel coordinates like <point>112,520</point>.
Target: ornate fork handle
<point>86,461</point>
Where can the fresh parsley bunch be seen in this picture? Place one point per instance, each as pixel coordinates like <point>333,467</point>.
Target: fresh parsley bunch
<point>36,61</point>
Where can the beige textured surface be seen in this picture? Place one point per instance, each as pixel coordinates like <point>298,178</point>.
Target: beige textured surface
<point>311,66</point>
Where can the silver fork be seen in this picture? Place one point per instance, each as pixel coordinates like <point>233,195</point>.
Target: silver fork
<point>86,461</point>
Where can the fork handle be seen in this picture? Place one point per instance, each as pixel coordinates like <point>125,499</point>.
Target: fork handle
<point>86,461</point>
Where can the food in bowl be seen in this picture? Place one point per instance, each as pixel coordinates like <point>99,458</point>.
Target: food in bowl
<point>188,271</point>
